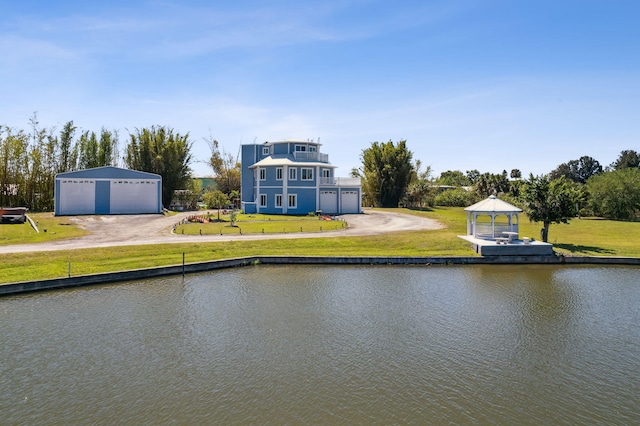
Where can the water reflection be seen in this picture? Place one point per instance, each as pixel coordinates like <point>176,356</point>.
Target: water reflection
<point>380,345</point>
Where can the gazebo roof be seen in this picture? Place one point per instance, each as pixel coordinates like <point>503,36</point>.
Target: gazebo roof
<point>494,205</point>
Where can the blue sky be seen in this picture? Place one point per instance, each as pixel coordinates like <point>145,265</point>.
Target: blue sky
<point>488,85</point>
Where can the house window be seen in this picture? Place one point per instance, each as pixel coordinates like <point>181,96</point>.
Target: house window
<point>279,173</point>
<point>312,149</point>
<point>293,174</point>
<point>326,173</point>
<point>265,150</point>
<point>278,200</point>
<point>301,148</point>
<point>293,200</point>
<point>306,174</point>
<point>263,174</point>
<point>263,200</point>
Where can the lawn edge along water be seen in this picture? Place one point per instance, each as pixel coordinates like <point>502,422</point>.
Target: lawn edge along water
<point>139,274</point>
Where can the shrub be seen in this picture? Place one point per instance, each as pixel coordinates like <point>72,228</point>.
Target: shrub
<point>456,198</point>
<point>615,194</point>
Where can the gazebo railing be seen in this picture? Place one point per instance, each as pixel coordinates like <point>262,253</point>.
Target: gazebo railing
<point>485,230</point>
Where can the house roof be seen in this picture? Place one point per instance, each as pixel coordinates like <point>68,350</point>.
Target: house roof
<point>493,204</point>
<point>287,160</point>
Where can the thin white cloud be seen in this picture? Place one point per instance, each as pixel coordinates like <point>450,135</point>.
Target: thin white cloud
<point>181,30</point>
<point>20,50</point>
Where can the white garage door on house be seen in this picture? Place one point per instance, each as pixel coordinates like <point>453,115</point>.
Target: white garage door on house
<point>77,196</point>
<point>350,202</point>
<point>329,201</point>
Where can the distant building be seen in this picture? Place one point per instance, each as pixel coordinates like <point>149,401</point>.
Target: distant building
<point>293,177</point>
<point>107,190</point>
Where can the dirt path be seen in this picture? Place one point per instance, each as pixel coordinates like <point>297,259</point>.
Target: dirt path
<point>113,231</point>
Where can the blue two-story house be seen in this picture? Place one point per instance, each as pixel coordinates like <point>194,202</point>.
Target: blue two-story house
<point>294,177</point>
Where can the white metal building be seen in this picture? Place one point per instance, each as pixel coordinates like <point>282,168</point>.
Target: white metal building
<point>107,190</point>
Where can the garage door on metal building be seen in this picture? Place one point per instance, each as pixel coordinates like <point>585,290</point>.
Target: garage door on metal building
<point>77,196</point>
<point>134,196</point>
<point>329,201</point>
<point>349,201</point>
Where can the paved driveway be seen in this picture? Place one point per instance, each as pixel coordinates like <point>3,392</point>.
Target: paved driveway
<point>127,230</point>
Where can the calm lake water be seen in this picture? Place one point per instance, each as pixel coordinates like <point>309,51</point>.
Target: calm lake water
<point>330,345</point>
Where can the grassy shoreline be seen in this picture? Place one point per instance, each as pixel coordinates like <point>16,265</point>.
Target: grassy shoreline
<point>581,237</point>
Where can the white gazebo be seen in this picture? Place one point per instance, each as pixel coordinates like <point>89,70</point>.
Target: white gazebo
<point>492,218</point>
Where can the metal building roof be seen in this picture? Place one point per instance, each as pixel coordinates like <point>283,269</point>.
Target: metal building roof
<point>107,172</point>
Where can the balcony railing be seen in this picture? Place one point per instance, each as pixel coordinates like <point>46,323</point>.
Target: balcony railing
<point>340,181</point>
<point>311,156</point>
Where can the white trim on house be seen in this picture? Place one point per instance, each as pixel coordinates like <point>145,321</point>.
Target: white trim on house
<point>285,187</point>
<point>287,161</point>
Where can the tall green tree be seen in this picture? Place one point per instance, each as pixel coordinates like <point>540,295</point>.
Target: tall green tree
<point>578,170</point>
<point>549,201</point>
<point>108,148</point>
<point>216,199</point>
<point>616,194</point>
<point>473,175</point>
<point>387,170</point>
<point>68,152</point>
<point>88,150</point>
<point>162,151</point>
<point>492,184</point>
<point>627,159</point>
<point>14,163</point>
<point>454,178</point>
<point>420,192</point>
<point>226,169</point>
<point>38,188</point>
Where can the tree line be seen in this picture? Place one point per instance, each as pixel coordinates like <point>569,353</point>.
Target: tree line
<point>391,178</point>
<point>30,160</point>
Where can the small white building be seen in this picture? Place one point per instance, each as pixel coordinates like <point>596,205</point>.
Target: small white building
<point>493,230</point>
<point>107,190</point>
<point>491,218</point>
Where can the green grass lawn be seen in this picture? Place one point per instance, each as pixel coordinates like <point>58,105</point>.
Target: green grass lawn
<point>51,228</point>
<point>581,237</point>
<point>259,224</point>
